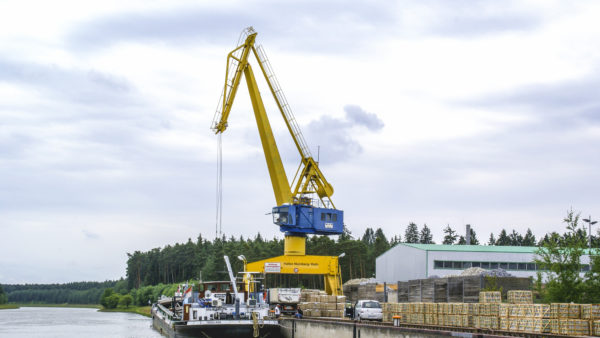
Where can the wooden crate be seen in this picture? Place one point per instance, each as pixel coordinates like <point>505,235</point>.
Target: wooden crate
<point>489,309</point>
<point>503,323</point>
<point>473,309</point>
<point>490,297</point>
<point>596,327</point>
<point>590,311</point>
<point>565,310</point>
<point>541,311</point>
<point>573,327</point>
<point>487,322</point>
<point>519,297</point>
<point>542,325</point>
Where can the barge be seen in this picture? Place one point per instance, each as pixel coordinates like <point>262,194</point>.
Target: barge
<point>220,309</point>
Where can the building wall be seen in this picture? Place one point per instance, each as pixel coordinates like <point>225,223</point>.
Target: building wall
<point>477,256</point>
<point>401,263</point>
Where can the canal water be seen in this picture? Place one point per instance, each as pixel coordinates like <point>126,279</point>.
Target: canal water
<point>73,322</point>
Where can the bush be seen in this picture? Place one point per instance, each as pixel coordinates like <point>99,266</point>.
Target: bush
<point>126,300</point>
<point>113,300</point>
<point>105,295</point>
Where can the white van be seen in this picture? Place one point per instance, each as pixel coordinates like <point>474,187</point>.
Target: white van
<point>368,309</point>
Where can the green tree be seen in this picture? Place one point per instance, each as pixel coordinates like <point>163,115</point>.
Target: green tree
<point>411,235</point>
<point>592,284</point>
<point>112,301</point>
<point>105,295</point>
<point>126,300</point>
<point>425,237</point>
<point>395,240</point>
<point>515,238</point>
<point>561,262</point>
<point>503,239</point>
<point>369,236</point>
<point>529,238</point>
<point>3,298</point>
<point>474,240</point>
<point>492,240</point>
<point>450,235</point>
<point>551,238</point>
<point>381,244</point>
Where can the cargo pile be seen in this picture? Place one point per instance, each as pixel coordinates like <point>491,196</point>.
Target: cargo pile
<point>316,303</point>
<point>490,297</point>
<point>519,297</point>
<point>520,315</point>
<point>361,288</point>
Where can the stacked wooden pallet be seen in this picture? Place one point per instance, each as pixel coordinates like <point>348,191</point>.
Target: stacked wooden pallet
<point>562,319</point>
<point>519,297</point>
<point>490,297</point>
<point>316,303</point>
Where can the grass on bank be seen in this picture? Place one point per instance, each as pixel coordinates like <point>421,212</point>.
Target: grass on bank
<point>8,306</point>
<point>140,310</point>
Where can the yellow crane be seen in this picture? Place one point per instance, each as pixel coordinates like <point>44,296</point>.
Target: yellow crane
<point>297,213</point>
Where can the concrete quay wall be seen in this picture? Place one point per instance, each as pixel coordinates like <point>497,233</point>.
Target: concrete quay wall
<point>310,328</point>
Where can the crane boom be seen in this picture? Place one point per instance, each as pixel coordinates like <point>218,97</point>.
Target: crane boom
<point>296,212</point>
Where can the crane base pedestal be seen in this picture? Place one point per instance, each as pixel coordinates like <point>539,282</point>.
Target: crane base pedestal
<point>294,245</point>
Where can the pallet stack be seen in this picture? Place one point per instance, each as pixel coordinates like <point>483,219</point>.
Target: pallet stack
<point>519,297</point>
<point>518,316</point>
<point>490,297</point>
<point>488,310</point>
<point>316,303</point>
<point>574,319</point>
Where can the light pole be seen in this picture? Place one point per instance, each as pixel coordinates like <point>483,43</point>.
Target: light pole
<point>590,223</point>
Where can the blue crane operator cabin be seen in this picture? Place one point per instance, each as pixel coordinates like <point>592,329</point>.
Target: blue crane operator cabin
<point>306,219</point>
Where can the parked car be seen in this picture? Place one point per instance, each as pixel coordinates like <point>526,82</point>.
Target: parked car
<point>368,309</point>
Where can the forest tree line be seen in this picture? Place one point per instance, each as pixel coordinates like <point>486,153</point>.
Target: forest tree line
<point>184,261</point>
<point>71,293</point>
<point>151,273</point>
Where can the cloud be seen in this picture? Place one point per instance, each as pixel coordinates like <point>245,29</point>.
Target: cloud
<point>86,87</point>
<point>337,23</point>
<point>358,116</point>
<point>569,103</point>
<point>336,136</point>
<point>470,18</point>
<point>90,235</point>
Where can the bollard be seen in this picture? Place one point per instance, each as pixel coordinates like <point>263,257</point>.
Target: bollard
<point>396,320</point>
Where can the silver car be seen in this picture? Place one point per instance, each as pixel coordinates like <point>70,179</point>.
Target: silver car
<point>368,309</point>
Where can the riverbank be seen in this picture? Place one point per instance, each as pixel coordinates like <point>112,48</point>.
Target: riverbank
<point>20,305</point>
<point>140,310</point>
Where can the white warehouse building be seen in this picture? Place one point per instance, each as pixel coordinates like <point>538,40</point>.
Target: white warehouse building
<point>407,261</point>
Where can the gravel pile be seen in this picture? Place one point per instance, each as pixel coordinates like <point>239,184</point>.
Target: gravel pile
<point>361,281</point>
<point>476,271</point>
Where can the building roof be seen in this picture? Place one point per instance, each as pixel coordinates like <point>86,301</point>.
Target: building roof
<point>473,248</point>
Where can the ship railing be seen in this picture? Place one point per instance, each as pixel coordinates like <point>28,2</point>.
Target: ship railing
<point>166,312</point>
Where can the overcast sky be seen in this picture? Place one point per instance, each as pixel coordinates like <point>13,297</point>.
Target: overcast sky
<point>437,112</point>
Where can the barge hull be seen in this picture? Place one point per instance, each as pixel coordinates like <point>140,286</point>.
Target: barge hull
<point>234,329</point>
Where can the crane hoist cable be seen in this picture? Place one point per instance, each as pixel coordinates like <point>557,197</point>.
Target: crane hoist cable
<point>219,214</point>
